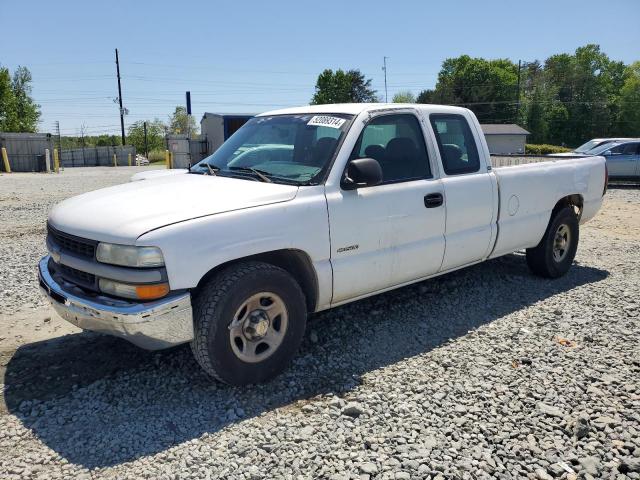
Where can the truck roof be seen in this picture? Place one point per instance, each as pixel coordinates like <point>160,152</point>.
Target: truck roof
<point>356,108</point>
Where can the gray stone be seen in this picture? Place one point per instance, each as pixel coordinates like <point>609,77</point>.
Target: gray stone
<point>549,410</point>
<point>369,468</point>
<point>352,409</point>
<point>590,465</point>
<point>541,474</point>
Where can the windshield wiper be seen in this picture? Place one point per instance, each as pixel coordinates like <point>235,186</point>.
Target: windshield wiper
<point>213,171</point>
<point>261,174</point>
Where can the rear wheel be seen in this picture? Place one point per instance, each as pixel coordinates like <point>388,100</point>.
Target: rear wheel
<point>249,322</point>
<point>553,256</point>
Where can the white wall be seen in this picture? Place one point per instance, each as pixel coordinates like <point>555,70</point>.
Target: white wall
<point>213,127</point>
<point>506,143</point>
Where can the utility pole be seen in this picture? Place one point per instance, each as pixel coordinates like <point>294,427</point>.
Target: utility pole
<point>59,138</point>
<point>120,99</point>
<point>518,93</point>
<point>189,126</point>
<point>384,67</point>
<point>188,114</point>
<point>59,142</point>
<point>146,145</point>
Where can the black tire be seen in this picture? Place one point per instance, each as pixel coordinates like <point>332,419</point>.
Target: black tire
<point>541,259</point>
<point>216,303</point>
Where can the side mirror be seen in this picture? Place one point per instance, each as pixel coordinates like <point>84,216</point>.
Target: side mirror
<point>607,153</point>
<point>362,172</point>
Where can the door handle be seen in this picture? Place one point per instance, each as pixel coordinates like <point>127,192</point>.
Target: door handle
<point>433,200</point>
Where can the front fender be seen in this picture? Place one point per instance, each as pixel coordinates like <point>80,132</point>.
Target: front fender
<point>193,248</point>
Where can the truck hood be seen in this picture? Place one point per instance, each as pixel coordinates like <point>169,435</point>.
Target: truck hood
<point>122,213</point>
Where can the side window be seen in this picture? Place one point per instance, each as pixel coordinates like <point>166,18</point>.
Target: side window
<point>630,148</point>
<point>617,149</point>
<point>397,143</point>
<point>456,144</point>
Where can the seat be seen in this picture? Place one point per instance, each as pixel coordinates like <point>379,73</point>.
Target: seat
<point>324,147</point>
<point>453,158</point>
<point>375,151</point>
<point>402,161</point>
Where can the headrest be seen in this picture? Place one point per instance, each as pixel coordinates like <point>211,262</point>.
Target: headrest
<point>374,151</point>
<point>400,145</point>
<point>452,152</point>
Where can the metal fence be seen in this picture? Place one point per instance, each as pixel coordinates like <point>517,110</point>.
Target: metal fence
<point>97,156</point>
<point>26,151</point>
<point>498,160</point>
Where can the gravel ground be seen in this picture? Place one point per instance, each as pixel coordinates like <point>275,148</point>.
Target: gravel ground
<point>25,201</point>
<point>541,381</point>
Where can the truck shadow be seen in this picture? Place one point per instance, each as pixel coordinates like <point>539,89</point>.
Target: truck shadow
<point>97,401</point>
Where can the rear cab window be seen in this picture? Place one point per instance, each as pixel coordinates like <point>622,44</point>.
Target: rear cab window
<point>457,146</point>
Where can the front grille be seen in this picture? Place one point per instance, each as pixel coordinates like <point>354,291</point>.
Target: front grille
<point>80,246</point>
<point>77,277</point>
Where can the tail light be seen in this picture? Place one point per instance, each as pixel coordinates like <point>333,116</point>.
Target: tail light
<point>606,178</point>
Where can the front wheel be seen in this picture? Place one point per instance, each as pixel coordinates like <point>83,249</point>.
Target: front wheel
<point>249,322</point>
<point>553,256</point>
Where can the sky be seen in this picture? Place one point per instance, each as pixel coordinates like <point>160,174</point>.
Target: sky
<point>254,56</point>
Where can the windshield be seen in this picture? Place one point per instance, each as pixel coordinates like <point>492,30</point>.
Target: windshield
<point>603,148</point>
<point>283,148</point>
<point>590,145</point>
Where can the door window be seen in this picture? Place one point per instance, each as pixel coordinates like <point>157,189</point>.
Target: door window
<point>397,143</point>
<point>456,144</point>
<point>626,149</point>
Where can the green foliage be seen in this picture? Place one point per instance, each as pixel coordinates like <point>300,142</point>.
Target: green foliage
<point>343,87</point>
<point>488,87</point>
<point>426,96</point>
<point>404,96</point>
<point>544,149</point>
<point>567,99</point>
<point>155,135</point>
<point>157,156</point>
<point>628,120</point>
<point>91,141</point>
<point>18,111</point>
<point>181,123</point>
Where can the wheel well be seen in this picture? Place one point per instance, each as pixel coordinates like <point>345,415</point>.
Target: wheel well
<point>295,262</point>
<point>574,201</point>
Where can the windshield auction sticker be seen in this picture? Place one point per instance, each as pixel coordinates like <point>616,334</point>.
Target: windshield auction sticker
<point>326,121</point>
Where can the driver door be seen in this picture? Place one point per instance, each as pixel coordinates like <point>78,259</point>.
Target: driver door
<point>623,160</point>
<point>388,234</point>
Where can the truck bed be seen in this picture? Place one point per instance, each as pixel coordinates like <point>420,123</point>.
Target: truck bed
<point>528,194</point>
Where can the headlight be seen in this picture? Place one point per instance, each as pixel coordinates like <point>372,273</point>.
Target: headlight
<point>128,256</point>
<point>137,292</point>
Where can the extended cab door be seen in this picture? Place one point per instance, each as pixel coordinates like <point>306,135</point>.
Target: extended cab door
<point>393,233</point>
<point>468,189</point>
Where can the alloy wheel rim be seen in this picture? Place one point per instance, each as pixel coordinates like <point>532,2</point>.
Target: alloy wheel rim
<point>258,327</point>
<point>561,243</point>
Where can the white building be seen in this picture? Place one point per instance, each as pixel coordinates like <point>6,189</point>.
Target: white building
<point>504,138</point>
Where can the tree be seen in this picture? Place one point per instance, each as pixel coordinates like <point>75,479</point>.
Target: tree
<point>155,135</point>
<point>26,110</point>
<point>18,111</point>
<point>426,96</point>
<point>7,101</point>
<point>629,112</point>
<point>343,87</point>
<point>181,123</point>
<point>488,87</point>
<point>404,96</point>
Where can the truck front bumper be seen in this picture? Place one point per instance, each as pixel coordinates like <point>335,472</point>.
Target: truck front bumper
<point>151,325</point>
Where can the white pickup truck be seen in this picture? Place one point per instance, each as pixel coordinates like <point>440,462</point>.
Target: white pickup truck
<point>299,211</point>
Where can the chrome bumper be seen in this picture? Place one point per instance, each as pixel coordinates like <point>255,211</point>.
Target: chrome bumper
<point>151,325</point>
